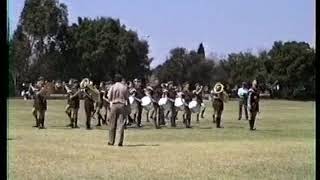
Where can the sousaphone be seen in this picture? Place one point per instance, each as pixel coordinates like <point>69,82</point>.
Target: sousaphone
<point>87,84</point>
<point>219,89</point>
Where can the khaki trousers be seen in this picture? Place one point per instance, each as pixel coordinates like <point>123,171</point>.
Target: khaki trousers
<point>117,116</point>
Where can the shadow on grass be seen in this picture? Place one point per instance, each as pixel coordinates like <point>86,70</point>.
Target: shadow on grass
<point>209,127</point>
<point>137,145</point>
<point>268,130</point>
<point>235,127</point>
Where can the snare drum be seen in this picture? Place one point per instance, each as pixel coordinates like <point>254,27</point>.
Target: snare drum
<point>194,106</point>
<point>179,104</point>
<point>164,103</point>
<point>146,103</point>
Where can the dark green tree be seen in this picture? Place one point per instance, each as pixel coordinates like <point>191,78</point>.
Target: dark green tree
<point>201,51</point>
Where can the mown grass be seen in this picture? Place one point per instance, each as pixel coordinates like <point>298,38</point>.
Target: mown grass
<point>283,147</point>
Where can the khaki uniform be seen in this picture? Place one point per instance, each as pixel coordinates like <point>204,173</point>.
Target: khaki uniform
<point>172,112</point>
<point>99,106</point>
<point>218,105</point>
<point>139,95</point>
<point>119,97</point>
<point>253,106</point>
<point>188,96</point>
<point>89,108</point>
<point>106,106</point>
<point>68,109</point>
<point>39,110</point>
<point>74,103</point>
<point>159,114</point>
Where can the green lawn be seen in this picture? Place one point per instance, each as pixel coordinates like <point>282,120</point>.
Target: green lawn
<point>282,147</point>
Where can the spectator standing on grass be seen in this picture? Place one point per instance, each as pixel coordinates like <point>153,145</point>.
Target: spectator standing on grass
<point>243,96</point>
<point>118,96</point>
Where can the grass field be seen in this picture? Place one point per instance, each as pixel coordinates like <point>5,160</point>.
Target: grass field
<point>282,147</point>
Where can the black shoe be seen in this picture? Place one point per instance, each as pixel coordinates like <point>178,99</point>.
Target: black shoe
<point>139,125</point>
<point>89,128</point>
<point>35,126</point>
<point>239,119</point>
<point>120,145</point>
<point>76,126</point>
<point>110,144</point>
<point>42,127</point>
<point>253,129</point>
<point>69,125</point>
<point>98,125</point>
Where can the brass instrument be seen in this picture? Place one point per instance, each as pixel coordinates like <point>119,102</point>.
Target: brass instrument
<point>43,91</point>
<point>86,84</point>
<point>219,89</point>
<point>67,88</point>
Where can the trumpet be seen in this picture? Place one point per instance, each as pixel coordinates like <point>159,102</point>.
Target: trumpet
<point>43,91</point>
<point>67,88</point>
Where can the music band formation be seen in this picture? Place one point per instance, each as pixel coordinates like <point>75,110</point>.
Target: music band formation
<point>124,103</point>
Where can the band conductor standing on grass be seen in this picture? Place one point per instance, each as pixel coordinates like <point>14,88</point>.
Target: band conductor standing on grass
<point>118,96</point>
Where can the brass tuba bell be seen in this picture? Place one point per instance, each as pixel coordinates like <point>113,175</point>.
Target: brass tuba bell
<point>218,88</point>
<point>85,84</point>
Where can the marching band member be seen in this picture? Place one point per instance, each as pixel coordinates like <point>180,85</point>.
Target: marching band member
<point>99,104</point>
<point>134,111</point>
<point>171,97</point>
<point>74,102</point>
<point>68,107</point>
<point>187,95</point>
<point>40,103</point>
<point>158,111</point>
<point>150,93</point>
<point>243,96</point>
<point>218,97</point>
<point>139,94</point>
<point>106,102</point>
<point>197,93</point>
<point>88,106</point>
<point>253,104</point>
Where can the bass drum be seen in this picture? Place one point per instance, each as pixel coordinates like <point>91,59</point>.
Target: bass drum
<point>146,103</point>
<point>179,104</point>
<point>194,107</point>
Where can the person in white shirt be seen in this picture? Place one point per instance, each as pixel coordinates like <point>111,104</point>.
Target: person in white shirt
<point>243,95</point>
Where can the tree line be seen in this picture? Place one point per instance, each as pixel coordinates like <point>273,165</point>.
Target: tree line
<point>45,44</point>
<point>291,65</point>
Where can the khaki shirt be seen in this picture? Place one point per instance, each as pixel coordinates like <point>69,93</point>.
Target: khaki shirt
<point>118,93</point>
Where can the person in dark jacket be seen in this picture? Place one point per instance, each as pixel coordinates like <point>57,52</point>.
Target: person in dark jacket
<point>253,104</point>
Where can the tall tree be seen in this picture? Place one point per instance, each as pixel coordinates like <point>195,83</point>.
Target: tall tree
<point>201,51</point>
<point>39,39</point>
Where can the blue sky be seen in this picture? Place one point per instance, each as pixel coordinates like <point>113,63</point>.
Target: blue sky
<point>224,26</point>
